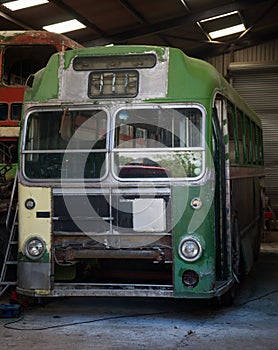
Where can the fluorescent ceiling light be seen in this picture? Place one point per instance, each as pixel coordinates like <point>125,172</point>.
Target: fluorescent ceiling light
<point>64,27</point>
<point>222,25</point>
<point>227,31</point>
<point>220,16</point>
<point>21,4</point>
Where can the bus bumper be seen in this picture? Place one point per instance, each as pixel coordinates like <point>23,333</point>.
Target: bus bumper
<point>32,276</point>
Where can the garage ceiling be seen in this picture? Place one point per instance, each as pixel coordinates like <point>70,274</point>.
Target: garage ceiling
<point>174,23</point>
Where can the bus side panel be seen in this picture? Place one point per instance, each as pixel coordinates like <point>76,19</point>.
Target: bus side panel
<point>197,223</point>
<point>247,208</point>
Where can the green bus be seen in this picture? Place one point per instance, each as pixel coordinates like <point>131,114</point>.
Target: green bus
<point>141,174</point>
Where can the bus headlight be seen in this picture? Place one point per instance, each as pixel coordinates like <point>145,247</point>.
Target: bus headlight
<point>35,248</point>
<point>190,249</point>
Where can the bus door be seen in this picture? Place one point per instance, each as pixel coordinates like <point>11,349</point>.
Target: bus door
<point>220,206</point>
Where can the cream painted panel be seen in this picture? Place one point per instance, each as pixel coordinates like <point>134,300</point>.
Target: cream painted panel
<point>29,225</point>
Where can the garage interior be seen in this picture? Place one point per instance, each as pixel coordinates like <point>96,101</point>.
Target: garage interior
<point>248,59</point>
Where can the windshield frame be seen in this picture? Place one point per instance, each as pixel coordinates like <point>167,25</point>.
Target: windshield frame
<point>110,150</point>
<point>62,109</point>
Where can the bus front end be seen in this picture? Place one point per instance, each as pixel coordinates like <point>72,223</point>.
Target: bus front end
<point>116,184</point>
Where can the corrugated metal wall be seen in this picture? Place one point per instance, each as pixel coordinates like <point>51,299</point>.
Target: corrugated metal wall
<point>260,53</point>
<point>254,73</point>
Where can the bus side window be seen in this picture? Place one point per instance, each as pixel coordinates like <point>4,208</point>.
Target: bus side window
<point>247,152</point>
<point>251,154</point>
<point>261,151</point>
<point>16,109</point>
<point>254,142</point>
<point>231,129</point>
<point>3,111</point>
<point>240,136</point>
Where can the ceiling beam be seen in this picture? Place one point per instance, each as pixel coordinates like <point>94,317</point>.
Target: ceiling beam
<point>15,21</point>
<point>178,21</point>
<point>257,39</point>
<point>77,16</point>
<point>126,4</point>
<point>261,16</point>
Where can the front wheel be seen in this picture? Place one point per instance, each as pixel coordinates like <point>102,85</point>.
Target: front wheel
<point>226,299</point>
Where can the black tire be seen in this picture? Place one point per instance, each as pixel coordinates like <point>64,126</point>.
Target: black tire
<point>227,299</point>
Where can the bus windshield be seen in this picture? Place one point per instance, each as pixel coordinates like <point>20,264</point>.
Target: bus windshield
<point>69,144</point>
<point>158,142</point>
<point>149,142</point>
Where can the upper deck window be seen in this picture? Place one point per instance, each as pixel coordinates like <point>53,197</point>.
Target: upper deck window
<point>158,142</point>
<point>20,61</point>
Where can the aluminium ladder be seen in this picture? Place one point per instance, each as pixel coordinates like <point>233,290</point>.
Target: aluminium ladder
<point>8,273</point>
<point>8,276</point>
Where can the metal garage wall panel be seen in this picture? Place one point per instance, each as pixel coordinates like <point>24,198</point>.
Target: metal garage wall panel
<point>259,86</point>
<point>221,63</point>
<point>267,51</point>
<point>270,127</point>
<point>271,185</point>
<point>263,52</point>
<point>257,83</point>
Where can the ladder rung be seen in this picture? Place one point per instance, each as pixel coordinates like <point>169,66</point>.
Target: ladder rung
<point>13,242</point>
<point>8,283</point>
<point>10,263</point>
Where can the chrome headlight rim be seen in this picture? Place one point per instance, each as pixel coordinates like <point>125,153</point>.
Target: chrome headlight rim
<point>35,240</point>
<point>196,242</point>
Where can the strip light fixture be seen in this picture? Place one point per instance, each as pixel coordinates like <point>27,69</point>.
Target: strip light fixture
<point>64,27</point>
<point>227,31</point>
<point>215,26</point>
<point>22,4</point>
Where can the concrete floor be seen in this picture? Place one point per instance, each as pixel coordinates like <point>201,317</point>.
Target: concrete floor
<point>123,323</point>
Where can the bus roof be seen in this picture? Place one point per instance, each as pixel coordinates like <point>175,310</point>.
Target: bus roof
<point>35,37</point>
<point>189,79</point>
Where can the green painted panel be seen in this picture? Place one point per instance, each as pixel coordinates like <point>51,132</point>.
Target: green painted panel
<point>200,224</point>
<point>44,259</point>
<point>46,82</point>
